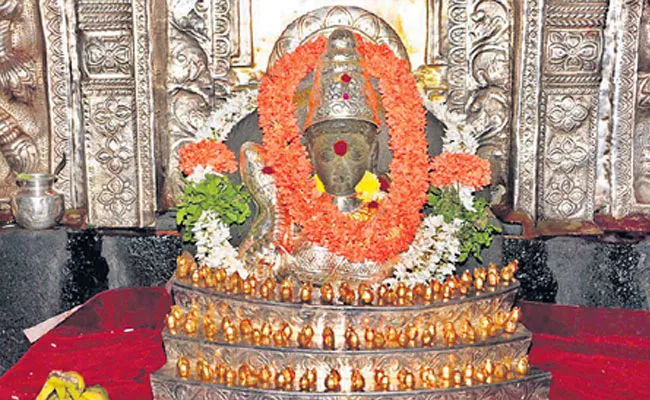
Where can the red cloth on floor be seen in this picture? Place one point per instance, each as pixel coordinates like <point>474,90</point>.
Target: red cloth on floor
<point>115,341</point>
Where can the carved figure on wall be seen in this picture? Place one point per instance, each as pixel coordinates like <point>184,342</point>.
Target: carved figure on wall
<point>18,81</point>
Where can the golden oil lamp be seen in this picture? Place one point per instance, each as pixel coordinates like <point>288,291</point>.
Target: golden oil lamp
<point>220,372</point>
<point>493,279</point>
<point>307,381</point>
<point>428,378</point>
<point>515,314</point>
<point>366,296</point>
<point>287,332</point>
<point>327,293</point>
<point>209,279</point>
<point>210,329</point>
<point>328,339</point>
<point>183,367</point>
<point>204,370</point>
<point>382,381</point>
<point>249,286</point>
<point>306,292</point>
<point>466,278</point>
<point>522,366</point>
<point>284,380</point>
<point>406,380</point>
<point>220,275</point>
<point>429,335</point>
<point>333,381</point>
<point>256,337</point>
<point>468,374</point>
<point>195,277</point>
<point>190,325</point>
<point>231,377</point>
<point>246,328</point>
<point>391,335</point>
<point>487,367</point>
<point>379,341</point>
<point>500,372</point>
<point>278,339</point>
<point>391,297</point>
<point>286,290</point>
<point>305,337</point>
<point>265,376</point>
<point>351,339</point>
<point>357,382</point>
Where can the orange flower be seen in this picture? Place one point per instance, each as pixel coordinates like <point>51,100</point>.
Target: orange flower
<point>466,169</point>
<point>207,153</point>
<point>380,237</point>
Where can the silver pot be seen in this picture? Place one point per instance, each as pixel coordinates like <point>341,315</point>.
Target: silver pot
<point>36,205</point>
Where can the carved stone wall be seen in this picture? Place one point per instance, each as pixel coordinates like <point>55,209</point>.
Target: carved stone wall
<point>556,91</point>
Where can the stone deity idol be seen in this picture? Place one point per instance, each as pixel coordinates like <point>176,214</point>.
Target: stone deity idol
<point>342,133</point>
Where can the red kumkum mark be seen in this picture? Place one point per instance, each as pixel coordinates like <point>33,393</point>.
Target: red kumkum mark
<point>267,170</point>
<point>345,78</point>
<point>346,96</point>
<point>340,148</point>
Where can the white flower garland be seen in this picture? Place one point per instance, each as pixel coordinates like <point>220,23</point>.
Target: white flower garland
<point>212,235</point>
<point>212,246</point>
<point>221,122</point>
<point>436,247</point>
<point>432,255</point>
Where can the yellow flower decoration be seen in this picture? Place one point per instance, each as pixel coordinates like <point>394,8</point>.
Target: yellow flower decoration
<point>366,189</point>
<point>319,184</point>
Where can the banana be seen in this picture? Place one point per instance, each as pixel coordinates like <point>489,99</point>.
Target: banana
<point>65,385</point>
<point>94,393</point>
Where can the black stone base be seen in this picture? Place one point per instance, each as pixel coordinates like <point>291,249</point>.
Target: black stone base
<point>583,272</point>
<point>48,272</point>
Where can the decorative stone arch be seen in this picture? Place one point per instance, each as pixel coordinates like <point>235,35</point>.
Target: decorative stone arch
<point>326,19</point>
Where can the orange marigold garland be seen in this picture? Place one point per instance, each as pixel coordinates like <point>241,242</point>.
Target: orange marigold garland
<point>467,169</point>
<point>393,226</point>
<point>208,153</point>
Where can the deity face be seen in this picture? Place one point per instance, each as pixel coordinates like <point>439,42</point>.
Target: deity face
<point>341,152</point>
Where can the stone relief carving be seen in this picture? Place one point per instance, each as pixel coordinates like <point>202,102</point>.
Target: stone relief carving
<point>101,107</point>
<point>624,94</point>
<point>327,19</point>
<point>489,109</point>
<point>23,140</point>
<point>642,128</point>
<point>557,109</point>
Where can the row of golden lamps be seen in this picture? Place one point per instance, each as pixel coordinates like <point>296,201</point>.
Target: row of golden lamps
<point>454,287</point>
<point>447,376</point>
<point>264,334</point>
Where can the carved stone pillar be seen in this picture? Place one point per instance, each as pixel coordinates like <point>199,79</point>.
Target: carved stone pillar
<point>626,170</point>
<point>558,83</point>
<point>101,106</point>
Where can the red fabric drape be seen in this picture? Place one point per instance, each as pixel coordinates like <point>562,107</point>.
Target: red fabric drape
<point>115,341</point>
